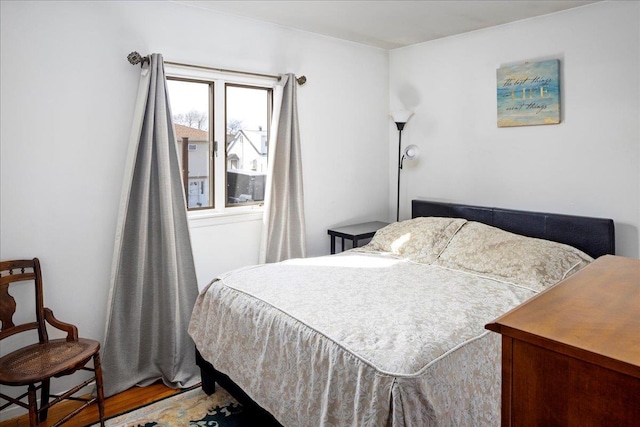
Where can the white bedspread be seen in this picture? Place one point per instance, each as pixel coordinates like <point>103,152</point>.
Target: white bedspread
<point>358,339</point>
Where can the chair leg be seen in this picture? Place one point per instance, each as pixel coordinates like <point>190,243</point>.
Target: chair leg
<point>33,406</point>
<point>44,399</point>
<point>99,390</point>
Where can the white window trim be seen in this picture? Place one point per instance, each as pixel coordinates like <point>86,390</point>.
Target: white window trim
<point>209,217</point>
<point>223,215</point>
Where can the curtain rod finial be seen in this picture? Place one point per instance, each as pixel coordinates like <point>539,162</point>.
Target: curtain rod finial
<point>301,80</point>
<point>135,58</point>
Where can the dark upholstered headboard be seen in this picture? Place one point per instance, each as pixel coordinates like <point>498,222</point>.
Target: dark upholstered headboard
<point>594,236</point>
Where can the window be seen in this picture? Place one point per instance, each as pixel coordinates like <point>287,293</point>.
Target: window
<point>247,114</point>
<point>209,110</point>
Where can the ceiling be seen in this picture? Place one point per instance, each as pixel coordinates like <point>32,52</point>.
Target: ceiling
<point>388,24</point>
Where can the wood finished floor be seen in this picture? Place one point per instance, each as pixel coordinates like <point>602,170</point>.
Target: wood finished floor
<point>114,405</point>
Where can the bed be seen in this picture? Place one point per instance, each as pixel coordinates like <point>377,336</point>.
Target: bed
<point>392,333</point>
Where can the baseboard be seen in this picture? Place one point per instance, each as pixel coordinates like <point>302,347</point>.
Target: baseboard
<point>15,411</point>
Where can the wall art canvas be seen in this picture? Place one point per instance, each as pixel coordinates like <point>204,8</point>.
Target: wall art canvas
<point>529,94</point>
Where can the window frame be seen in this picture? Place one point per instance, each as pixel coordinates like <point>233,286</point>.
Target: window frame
<point>184,172</point>
<point>220,213</point>
<point>269,114</point>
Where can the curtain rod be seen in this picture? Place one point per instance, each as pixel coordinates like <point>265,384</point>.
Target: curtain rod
<point>135,58</point>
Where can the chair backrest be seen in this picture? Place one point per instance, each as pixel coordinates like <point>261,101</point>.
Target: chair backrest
<point>14,273</point>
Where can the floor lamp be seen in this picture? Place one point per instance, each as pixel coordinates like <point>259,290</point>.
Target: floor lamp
<point>401,118</point>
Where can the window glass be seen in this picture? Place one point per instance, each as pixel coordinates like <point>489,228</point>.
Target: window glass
<point>247,120</point>
<point>190,107</point>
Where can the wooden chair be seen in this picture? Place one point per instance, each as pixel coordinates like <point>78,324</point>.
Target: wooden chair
<point>34,365</point>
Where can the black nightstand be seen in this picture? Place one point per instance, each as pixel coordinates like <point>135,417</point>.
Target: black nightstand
<point>354,233</point>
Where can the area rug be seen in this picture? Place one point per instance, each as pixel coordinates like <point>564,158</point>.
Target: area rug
<point>190,408</point>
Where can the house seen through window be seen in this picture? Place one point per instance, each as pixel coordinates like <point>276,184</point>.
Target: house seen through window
<point>221,175</point>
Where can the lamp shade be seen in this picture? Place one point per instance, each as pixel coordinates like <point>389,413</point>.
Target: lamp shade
<point>401,116</point>
<point>411,152</point>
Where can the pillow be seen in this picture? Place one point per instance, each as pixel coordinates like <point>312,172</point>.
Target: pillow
<point>419,239</point>
<point>526,261</point>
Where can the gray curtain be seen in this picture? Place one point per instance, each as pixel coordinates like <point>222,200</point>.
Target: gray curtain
<point>153,280</point>
<point>283,228</point>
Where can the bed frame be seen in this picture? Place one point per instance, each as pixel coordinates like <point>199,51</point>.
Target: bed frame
<point>594,236</point>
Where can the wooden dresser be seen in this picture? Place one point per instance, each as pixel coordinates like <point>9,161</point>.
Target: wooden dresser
<point>571,355</point>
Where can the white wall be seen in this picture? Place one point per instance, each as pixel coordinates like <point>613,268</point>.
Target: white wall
<point>68,94</point>
<point>587,165</point>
